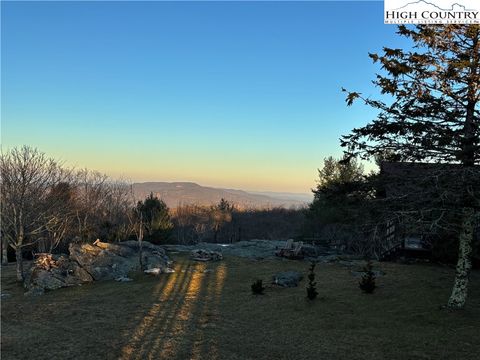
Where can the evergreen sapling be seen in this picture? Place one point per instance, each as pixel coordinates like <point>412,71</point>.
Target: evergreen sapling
<point>367,284</point>
<point>257,287</point>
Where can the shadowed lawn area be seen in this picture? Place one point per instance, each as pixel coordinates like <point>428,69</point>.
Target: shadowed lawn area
<point>206,311</point>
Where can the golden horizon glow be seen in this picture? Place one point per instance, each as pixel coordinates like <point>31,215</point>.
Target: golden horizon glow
<point>288,175</point>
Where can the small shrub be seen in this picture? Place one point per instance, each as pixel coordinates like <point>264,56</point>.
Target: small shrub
<point>367,284</point>
<point>311,289</point>
<point>257,287</point>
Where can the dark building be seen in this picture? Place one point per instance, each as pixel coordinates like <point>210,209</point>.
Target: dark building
<point>426,198</point>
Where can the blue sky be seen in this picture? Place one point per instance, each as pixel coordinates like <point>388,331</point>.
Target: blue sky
<point>241,95</point>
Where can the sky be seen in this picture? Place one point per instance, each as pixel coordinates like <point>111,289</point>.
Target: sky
<point>228,94</point>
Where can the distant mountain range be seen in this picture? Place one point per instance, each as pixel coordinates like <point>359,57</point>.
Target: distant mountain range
<point>429,4</point>
<point>175,193</point>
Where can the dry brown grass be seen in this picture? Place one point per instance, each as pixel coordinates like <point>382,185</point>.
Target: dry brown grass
<point>193,314</point>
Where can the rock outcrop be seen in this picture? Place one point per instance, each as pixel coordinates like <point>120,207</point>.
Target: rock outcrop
<point>51,272</point>
<point>206,255</point>
<point>260,249</point>
<point>87,263</point>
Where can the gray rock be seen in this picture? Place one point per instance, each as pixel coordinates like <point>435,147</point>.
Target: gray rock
<point>48,280</point>
<point>86,263</point>
<point>206,255</point>
<point>35,291</point>
<point>48,272</point>
<point>123,279</point>
<point>253,249</point>
<point>80,273</point>
<point>105,261</point>
<point>153,271</point>
<point>287,278</point>
<point>259,249</point>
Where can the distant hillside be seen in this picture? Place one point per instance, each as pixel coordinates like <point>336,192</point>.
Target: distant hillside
<point>302,197</point>
<point>176,193</point>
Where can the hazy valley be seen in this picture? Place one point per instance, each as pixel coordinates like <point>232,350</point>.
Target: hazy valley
<point>187,193</point>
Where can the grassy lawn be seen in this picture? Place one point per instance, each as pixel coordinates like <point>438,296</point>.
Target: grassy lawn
<point>206,311</point>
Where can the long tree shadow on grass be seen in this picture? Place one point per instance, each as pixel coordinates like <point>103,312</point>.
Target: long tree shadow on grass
<point>178,320</point>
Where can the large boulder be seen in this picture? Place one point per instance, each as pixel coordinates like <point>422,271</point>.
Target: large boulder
<point>48,280</point>
<point>101,263</point>
<point>93,262</point>
<point>51,272</point>
<point>106,261</point>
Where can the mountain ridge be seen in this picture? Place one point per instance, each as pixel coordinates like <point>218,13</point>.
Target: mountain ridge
<point>188,193</point>
<point>424,2</point>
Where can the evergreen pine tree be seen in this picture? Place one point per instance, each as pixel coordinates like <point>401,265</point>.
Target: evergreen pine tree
<point>431,114</point>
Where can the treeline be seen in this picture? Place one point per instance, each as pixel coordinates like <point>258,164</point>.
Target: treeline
<point>369,213</point>
<point>225,223</point>
<point>345,212</point>
<point>45,206</point>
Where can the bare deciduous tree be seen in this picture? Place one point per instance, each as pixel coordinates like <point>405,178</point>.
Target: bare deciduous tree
<point>91,188</point>
<point>60,217</point>
<point>27,178</point>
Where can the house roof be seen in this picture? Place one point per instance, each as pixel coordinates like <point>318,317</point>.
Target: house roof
<point>416,169</point>
<point>422,179</point>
